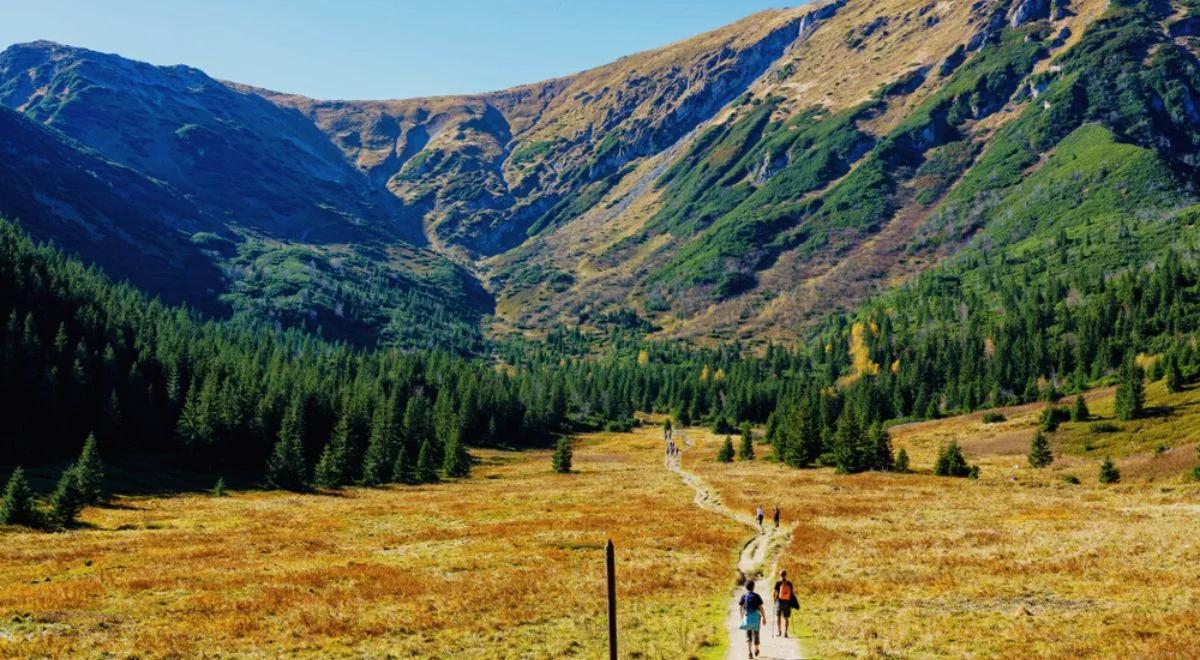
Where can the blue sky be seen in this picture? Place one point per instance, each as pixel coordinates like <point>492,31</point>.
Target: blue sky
<point>372,48</point>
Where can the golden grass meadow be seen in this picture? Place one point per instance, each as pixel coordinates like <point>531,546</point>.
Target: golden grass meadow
<point>509,563</point>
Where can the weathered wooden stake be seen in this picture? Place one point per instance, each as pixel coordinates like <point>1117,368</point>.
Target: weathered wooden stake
<point>610,569</point>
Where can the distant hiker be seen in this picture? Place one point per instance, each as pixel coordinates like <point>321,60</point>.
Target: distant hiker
<point>776,516</point>
<point>759,514</point>
<point>751,608</point>
<point>785,602</point>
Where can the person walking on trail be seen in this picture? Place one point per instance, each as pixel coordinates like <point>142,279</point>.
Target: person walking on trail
<point>751,608</point>
<point>776,516</point>
<point>785,602</point>
<point>759,514</point>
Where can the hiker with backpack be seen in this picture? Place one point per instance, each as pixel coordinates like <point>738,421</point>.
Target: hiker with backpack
<point>751,607</point>
<point>776,516</point>
<point>759,515</point>
<point>785,603</point>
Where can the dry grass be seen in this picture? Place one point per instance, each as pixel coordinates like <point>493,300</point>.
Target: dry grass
<point>506,564</point>
<point>1018,564</point>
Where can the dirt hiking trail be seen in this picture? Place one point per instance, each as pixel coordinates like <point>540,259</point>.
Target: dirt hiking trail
<point>758,561</point>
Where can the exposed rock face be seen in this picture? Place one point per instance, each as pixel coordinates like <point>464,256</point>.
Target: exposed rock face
<point>1024,11</point>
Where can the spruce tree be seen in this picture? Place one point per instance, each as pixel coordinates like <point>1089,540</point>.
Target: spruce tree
<point>457,462</point>
<point>746,449</point>
<point>286,468</point>
<point>1109,474</point>
<point>89,473</point>
<point>333,467</point>
<point>1079,411</point>
<point>1040,455</point>
<point>902,460</point>
<point>951,462</point>
<point>848,444</point>
<point>563,455</point>
<point>18,507</point>
<point>218,489</point>
<point>380,457</point>
<point>1131,392</point>
<point>401,473</point>
<point>66,500</point>
<point>427,466</point>
<point>881,448</point>
<point>1174,376</point>
<point>725,453</point>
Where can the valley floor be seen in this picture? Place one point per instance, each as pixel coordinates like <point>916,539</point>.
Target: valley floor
<point>510,562</point>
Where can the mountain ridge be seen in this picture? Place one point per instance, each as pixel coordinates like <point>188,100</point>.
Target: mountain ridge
<point>744,183</point>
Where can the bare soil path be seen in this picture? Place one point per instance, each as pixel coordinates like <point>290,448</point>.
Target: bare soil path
<point>758,561</point>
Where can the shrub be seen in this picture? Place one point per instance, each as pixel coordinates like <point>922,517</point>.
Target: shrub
<point>1109,474</point>
<point>993,417</point>
<point>725,454</point>
<point>1104,427</point>
<point>218,489</point>
<point>1071,479</point>
<point>1052,416</point>
<point>563,455</point>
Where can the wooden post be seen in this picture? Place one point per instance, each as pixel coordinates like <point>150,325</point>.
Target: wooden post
<point>610,570</point>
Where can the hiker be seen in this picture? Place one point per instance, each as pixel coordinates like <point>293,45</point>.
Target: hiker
<point>751,607</point>
<point>759,515</point>
<point>785,602</point>
<point>776,516</point>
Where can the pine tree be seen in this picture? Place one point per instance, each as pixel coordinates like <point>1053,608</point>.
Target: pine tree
<point>286,468</point>
<point>1174,376</point>
<point>951,462</point>
<point>66,500</point>
<point>848,441</point>
<point>89,473</point>
<point>218,489</point>
<point>1196,470</point>
<point>1040,455</point>
<point>426,471</point>
<point>17,507</point>
<point>401,473</point>
<point>746,450</point>
<point>1079,411</point>
<point>881,445</point>
<point>333,467</point>
<point>563,455</point>
<point>902,460</point>
<point>1109,474</point>
<point>725,453</point>
<point>380,457</point>
<point>1131,392</point>
<point>457,462</point>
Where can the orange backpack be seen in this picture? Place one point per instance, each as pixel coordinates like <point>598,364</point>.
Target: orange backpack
<point>785,591</point>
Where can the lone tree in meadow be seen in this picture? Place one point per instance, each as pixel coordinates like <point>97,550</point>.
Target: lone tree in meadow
<point>901,461</point>
<point>1109,474</point>
<point>1079,410</point>
<point>951,462</point>
<point>746,449</point>
<point>17,507</point>
<point>725,453</point>
<point>1131,391</point>
<point>563,454</point>
<point>1039,451</point>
